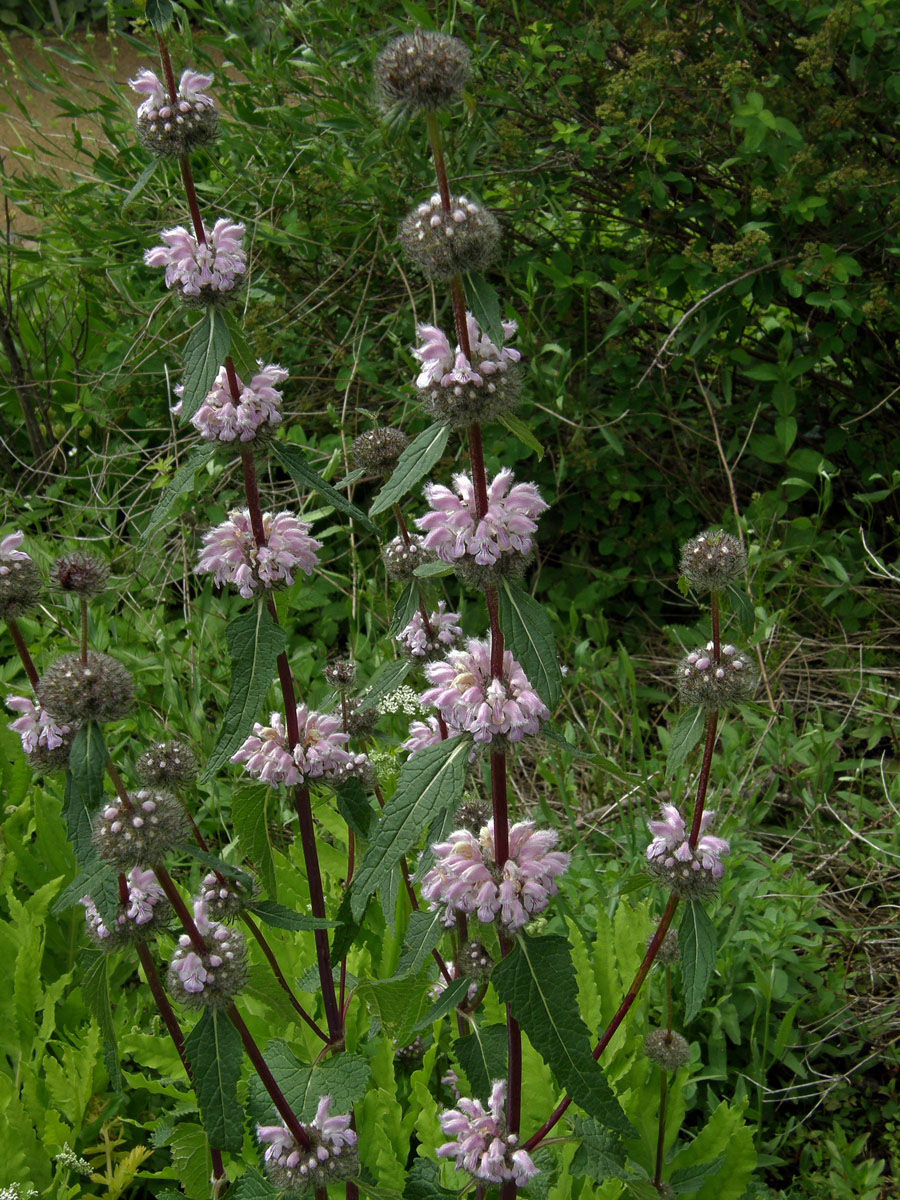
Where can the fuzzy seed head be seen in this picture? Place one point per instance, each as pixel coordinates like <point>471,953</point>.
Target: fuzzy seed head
<point>445,243</point>
<point>401,560</point>
<point>224,900</point>
<point>716,683</point>
<point>669,951</point>
<point>667,1049</point>
<point>377,450</point>
<point>473,814</point>
<point>85,574</point>
<point>331,1156</point>
<point>712,559</point>
<point>155,824</point>
<point>340,674</point>
<point>167,765</point>
<point>75,692</point>
<point>422,71</point>
<point>475,962</point>
<point>360,721</point>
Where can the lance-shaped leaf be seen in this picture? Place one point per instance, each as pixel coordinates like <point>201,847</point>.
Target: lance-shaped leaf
<point>100,881</point>
<point>182,483</point>
<point>160,14</point>
<point>742,606</point>
<point>355,807</point>
<point>84,789</point>
<point>413,464</point>
<point>407,605</point>
<point>254,642</point>
<point>519,429</point>
<point>229,870</point>
<point>140,183</point>
<point>215,1051</point>
<point>292,459</point>
<point>529,635</point>
<point>206,351</point>
<point>398,1004</point>
<point>685,736</point>
<point>281,917</point>
<point>94,981</point>
<point>430,783</point>
<point>537,979</point>
<point>242,354</point>
<point>422,935</point>
<point>386,679</point>
<point>482,1055</point>
<point>248,815</point>
<point>484,302</point>
<point>698,943</point>
<point>345,1078</point>
<point>449,998</point>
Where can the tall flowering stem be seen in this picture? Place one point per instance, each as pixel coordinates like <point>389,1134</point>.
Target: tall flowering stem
<point>184,162</point>
<point>22,649</point>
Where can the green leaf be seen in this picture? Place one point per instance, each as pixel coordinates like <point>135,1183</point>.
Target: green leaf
<point>140,183</point>
<point>282,917</point>
<point>430,782</point>
<point>687,733</point>
<point>84,790</point>
<point>416,461</point>
<point>182,482</point>
<point>386,679</point>
<point>254,1186</point>
<point>485,306</point>
<point>94,982</point>
<point>449,998</point>
<point>601,1154</point>
<point>160,14</point>
<point>241,878</point>
<point>347,930</point>
<point>100,881</point>
<point>424,1182</point>
<point>254,642</point>
<point>355,807</point>
<point>422,935</point>
<point>344,1077</point>
<point>529,635</point>
<point>215,1052</point>
<point>698,943</point>
<point>292,459</point>
<point>519,429</point>
<point>742,606</point>
<point>538,980</point>
<point>690,1180</point>
<point>407,605</point>
<point>399,1004</point>
<point>433,570</point>
<point>243,356</point>
<point>482,1055</point>
<point>248,816</point>
<point>206,351</point>
<point>555,738</point>
<point>192,1161</point>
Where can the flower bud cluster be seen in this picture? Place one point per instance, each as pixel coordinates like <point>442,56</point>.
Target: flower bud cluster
<point>167,764</point>
<point>207,272</point>
<point>211,979</point>
<point>223,900</point>
<point>73,692</point>
<point>402,556</point>
<point>20,580</point>
<point>689,872</point>
<point>145,832</point>
<point>172,129</point>
<point>146,910</point>
<point>332,1154</point>
<point>667,1049</point>
<point>712,559</point>
<point>422,70</point>
<point>340,674</point>
<point>466,877</point>
<point>230,553</point>
<point>377,450</point>
<point>716,682</point>
<point>421,641</point>
<point>482,1146</point>
<point>45,743</point>
<point>221,418</point>
<point>475,962</point>
<point>447,242</point>
<point>461,389</point>
<point>84,574</point>
<point>318,754</point>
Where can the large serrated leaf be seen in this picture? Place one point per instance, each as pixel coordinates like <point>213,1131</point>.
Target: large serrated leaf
<point>422,935</point>
<point>182,482</point>
<point>407,605</point>
<point>254,642</point>
<point>282,917</point>
<point>254,1186</point>
<point>293,461</point>
<point>430,782</point>
<point>601,1154</point>
<point>685,736</point>
<point>698,943</point>
<point>345,1078</point>
<point>413,464</point>
<point>248,816</point>
<point>529,635</point>
<point>84,790</point>
<point>215,1052</point>
<point>452,995</point>
<point>537,979</point>
<point>94,981</point>
<point>355,807</point>
<point>483,1056</point>
<point>206,351</point>
<point>192,1161</point>
<point>100,881</point>
<point>398,1004</point>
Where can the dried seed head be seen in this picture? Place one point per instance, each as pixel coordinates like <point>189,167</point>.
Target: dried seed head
<point>669,951</point>
<point>167,764</point>
<point>477,577</point>
<point>212,979</point>
<point>667,1049</point>
<point>20,586</point>
<point>377,450</point>
<point>402,558</point>
<point>360,721</point>
<point>473,814</point>
<point>172,129</point>
<point>445,243</point>
<point>155,824</point>
<point>716,682</point>
<point>422,71</point>
<point>340,674</point>
<point>74,692</point>
<point>85,574</point>
<point>712,559</point>
<point>465,403</point>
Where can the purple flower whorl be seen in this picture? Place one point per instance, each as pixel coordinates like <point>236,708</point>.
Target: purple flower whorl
<point>319,753</point>
<point>459,391</point>
<point>482,1146</point>
<point>331,1156</point>
<point>172,130</point>
<point>204,274</point>
<point>212,979</point>
<point>45,742</point>
<point>230,553</point>
<point>140,918</point>
<point>257,410</point>
<point>689,873</point>
<point>421,642</point>
<point>20,580</point>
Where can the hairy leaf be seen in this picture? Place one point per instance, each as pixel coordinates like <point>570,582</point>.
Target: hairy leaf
<point>430,782</point>
<point>422,935</point>
<point>601,1154</point>
<point>100,881</point>
<point>484,302</point>
<point>345,1078</point>
<point>399,1004</point>
<point>248,815</point>
<point>529,635</point>
<point>94,981</point>
<point>182,483</point>
<point>282,917</point>
<point>538,980</point>
<point>215,1052</point>
<point>698,942</point>
<point>192,1161</point>
<point>482,1055</point>
<point>206,351</point>
<point>160,14</point>
<point>254,1186</point>
<point>685,736</point>
<point>293,460</point>
<point>742,606</point>
<point>254,642</point>
<point>556,739</point>
<point>424,1182</point>
<point>354,806</point>
<point>229,870</point>
<point>450,997</point>
<point>415,462</point>
<point>407,605</point>
<point>84,789</point>
<point>519,429</point>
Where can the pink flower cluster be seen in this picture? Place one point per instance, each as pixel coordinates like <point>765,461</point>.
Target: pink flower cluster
<point>190,94</point>
<point>420,642</point>
<point>35,727</point>
<point>471,701</point>
<point>467,879</point>
<point>319,753</point>
<point>144,893</point>
<point>295,1167</point>
<point>449,368</point>
<point>220,419</point>
<point>454,531</point>
<point>10,552</point>
<point>210,979</point>
<point>482,1146</point>
<point>213,267</point>
<point>670,851</point>
<point>423,734</point>
<point>230,553</point>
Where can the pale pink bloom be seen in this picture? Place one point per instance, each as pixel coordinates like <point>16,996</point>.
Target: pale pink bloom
<point>219,418</point>
<point>434,354</point>
<point>330,1137</point>
<point>35,727</point>
<point>10,552</point>
<point>418,641</point>
<point>670,848</point>
<point>467,879</point>
<point>214,266</point>
<point>144,893</point>
<point>191,86</point>
<point>482,1146</point>
<point>318,754</point>
<point>230,553</point>
<point>470,699</point>
<point>453,529</point>
<point>448,367</point>
<point>423,734</point>
<point>190,971</point>
<point>148,84</point>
